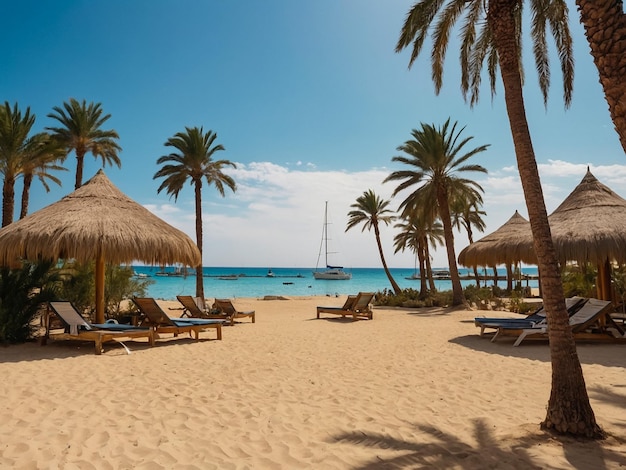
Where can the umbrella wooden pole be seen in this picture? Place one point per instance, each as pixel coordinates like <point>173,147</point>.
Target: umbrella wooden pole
<point>604,280</point>
<point>100,288</point>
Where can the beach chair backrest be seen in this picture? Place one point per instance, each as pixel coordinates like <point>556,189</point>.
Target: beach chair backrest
<point>153,312</point>
<point>589,313</point>
<point>190,305</point>
<point>349,303</point>
<point>225,306</point>
<point>68,314</point>
<point>573,304</point>
<point>362,301</point>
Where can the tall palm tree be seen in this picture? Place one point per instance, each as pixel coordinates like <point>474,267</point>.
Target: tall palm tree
<point>417,231</point>
<point>605,28</point>
<point>81,132</point>
<point>466,214</point>
<point>370,210</point>
<point>39,163</point>
<point>193,162</point>
<point>435,157</point>
<point>15,145</point>
<point>499,43</point>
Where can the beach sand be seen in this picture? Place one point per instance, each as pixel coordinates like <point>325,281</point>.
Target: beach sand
<point>409,389</point>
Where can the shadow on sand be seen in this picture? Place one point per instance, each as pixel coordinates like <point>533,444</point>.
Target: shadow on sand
<point>448,451</point>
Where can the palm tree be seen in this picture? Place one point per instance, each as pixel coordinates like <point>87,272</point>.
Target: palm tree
<point>81,132</point>
<point>15,145</point>
<point>370,209</point>
<point>193,161</point>
<point>417,231</point>
<point>605,27</point>
<point>39,163</point>
<point>434,156</point>
<point>465,213</point>
<point>499,43</point>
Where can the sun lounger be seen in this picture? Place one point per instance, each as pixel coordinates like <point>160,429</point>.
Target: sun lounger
<point>536,318</point>
<point>356,306</point>
<point>192,310</point>
<point>591,322</point>
<point>77,328</point>
<point>161,323</point>
<point>226,307</point>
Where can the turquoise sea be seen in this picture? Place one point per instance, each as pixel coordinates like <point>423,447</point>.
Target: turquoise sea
<point>229,282</point>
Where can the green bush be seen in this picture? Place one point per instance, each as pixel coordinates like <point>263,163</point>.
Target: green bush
<point>579,280</point>
<point>478,295</point>
<point>78,285</point>
<point>411,298</point>
<point>120,285</point>
<point>21,293</point>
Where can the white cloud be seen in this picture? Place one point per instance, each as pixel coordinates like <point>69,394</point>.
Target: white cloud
<point>275,218</point>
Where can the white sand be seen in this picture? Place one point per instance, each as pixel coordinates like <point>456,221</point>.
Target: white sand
<point>410,389</point>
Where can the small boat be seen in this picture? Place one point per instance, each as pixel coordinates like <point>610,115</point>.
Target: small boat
<point>331,272</point>
<point>441,274</point>
<point>269,273</point>
<point>230,277</point>
<point>179,271</point>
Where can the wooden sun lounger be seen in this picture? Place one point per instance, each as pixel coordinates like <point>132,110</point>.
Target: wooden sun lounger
<point>537,318</point>
<point>591,322</point>
<point>226,307</point>
<point>192,310</point>
<point>161,323</point>
<point>78,329</point>
<point>356,306</point>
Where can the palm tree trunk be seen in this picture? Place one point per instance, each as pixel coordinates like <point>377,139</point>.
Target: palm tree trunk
<point>28,179</point>
<point>470,238</point>
<point>199,274</point>
<point>458,298</point>
<point>605,29</point>
<point>8,199</point>
<point>421,255</point>
<point>80,161</point>
<point>429,268</point>
<point>394,284</point>
<point>569,410</point>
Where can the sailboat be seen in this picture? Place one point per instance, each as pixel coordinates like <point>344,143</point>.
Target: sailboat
<point>331,272</point>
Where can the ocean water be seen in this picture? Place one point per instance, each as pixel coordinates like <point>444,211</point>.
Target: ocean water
<point>229,282</point>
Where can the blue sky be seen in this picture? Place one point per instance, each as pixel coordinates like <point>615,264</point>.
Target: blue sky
<point>308,98</point>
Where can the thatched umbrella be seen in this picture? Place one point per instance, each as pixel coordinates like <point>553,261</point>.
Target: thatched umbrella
<point>590,227</point>
<point>506,245</point>
<point>97,221</point>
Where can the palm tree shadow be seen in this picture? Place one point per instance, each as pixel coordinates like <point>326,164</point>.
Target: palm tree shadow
<point>448,451</point>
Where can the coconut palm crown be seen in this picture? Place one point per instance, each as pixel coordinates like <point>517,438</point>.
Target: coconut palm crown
<point>15,146</point>
<point>478,47</point>
<point>81,131</point>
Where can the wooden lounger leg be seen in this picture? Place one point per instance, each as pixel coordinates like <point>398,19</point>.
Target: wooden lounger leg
<point>496,335</point>
<point>219,331</point>
<point>98,345</point>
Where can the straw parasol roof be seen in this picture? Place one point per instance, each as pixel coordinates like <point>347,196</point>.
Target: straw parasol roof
<point>97,222</point>
<point>507,245</point>
<point>590,224</point>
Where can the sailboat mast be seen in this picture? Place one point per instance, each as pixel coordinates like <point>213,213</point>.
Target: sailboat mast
<point>326,233</point>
